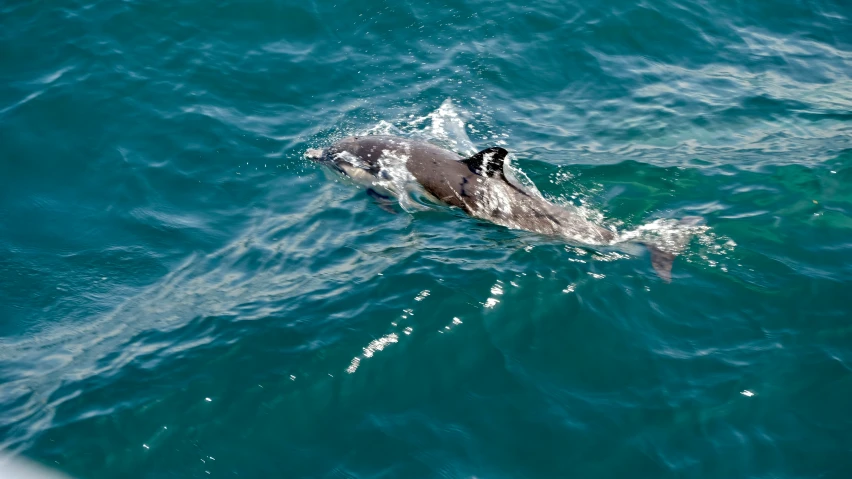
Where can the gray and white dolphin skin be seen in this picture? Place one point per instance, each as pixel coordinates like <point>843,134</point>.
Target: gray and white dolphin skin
<point>477,185</point>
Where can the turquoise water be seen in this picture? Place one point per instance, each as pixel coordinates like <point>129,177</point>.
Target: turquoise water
<point>182,294</point>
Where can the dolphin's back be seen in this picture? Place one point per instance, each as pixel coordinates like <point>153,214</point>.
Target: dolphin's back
<point>441,173</point>
<point>438,170</point>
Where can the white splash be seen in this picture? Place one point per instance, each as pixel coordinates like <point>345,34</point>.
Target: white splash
<point>610,256</point>
<point>668,235</point>
<point>383,128</point>
<point>455,322</point>
<point>379,344</point>
<point>375,346</point>
<point>446,126</point>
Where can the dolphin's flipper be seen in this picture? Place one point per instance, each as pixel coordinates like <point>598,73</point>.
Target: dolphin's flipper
<point>487,162</point>
<point>661,261</point>
<point>384,202</point>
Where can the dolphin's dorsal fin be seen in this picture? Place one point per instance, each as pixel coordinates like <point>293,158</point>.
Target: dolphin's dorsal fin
<point>488,162</point>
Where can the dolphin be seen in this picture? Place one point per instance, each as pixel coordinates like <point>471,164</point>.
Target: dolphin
<point>477,185</point>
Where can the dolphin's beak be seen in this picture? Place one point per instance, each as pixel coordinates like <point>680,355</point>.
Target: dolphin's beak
<point>319,156</point>
<point>314,154</point>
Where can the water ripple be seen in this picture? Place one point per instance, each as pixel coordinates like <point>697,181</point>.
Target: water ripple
<point>182,293</point>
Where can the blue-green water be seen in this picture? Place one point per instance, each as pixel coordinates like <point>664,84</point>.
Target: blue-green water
<point>182,294</point>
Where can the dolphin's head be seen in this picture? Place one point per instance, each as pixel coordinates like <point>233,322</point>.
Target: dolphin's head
<point>315,154</point>
<point>345,157</point>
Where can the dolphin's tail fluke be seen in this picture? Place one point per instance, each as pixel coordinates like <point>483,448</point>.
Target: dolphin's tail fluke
<point>662,262</point>
<point>665,249</point>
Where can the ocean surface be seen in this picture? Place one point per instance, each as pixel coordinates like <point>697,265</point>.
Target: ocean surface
<point>184,295</point>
